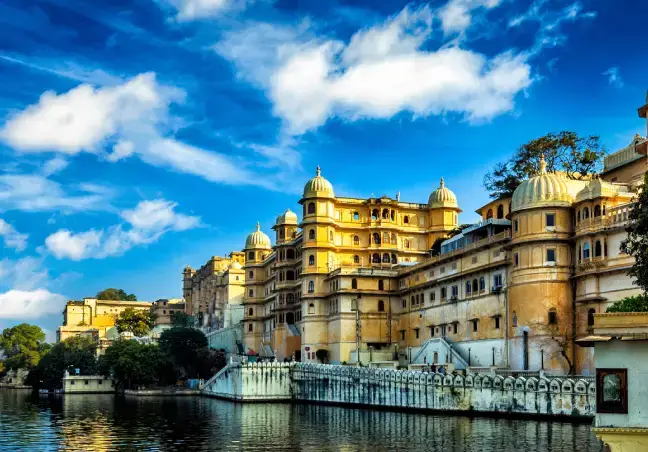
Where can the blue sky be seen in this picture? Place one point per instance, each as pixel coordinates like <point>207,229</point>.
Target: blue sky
<point>140,136</point>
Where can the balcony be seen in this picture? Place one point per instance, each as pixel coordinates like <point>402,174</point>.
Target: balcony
<point>614,217</point>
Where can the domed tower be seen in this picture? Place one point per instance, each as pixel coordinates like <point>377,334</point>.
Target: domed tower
<point>539,289</point>
<point>443,212</point>
<point>285,227</point>
<point>257,248</point>
<point>318,241</point>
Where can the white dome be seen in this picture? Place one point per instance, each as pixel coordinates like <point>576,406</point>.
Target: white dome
<point>318,187</point>
<point>235,266</point>
<point>257,239</point>
<point>543,190</point>
<point>442,197</point>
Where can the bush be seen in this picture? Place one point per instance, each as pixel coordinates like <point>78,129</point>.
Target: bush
<point>132,364</point>
<point>638,303</point>
<point>78,352</point>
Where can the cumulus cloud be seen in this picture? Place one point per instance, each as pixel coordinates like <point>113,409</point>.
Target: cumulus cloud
<point>130,119</point>
<point>382,71</point>
<point>613,77</point>
<point>12,238</point>
<point>145,224</point>
<point>197,9</point>
<point>23,304</point>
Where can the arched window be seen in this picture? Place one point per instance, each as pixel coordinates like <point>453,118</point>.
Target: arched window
<point>281,233</point>
<point>500,211</point>
<point>356,240</point>
<point>356,259</point>
<point>311,287</point>
<point>406,243</point>
<point>590,317</point>
<point>552,316</point>
<point>435,357</point>
<point>385,214</point>
<point>597,210</point>
<point>585,213</point>
<point>444,293</point>
<point>375,258</point>
<point>381,306</point>
<point>586,250</point>
<point>251,255</point>
<point>374,214</point>
<point>376,238</point>
<point>354,283</point>
<point>385,258</point>
<point>311,234</point>
<point>311,308</point>
<point>311,208</point>
<point>578,217</point>
<point>251,311</point>
<point>250,327</point>
<point>413,301</point>
<point>474,285</point>
<point>482,283</point>
<point>394,259</point>
<point>386,237</point>
<point>381,285</point>
<point>514,318</point>
<point>393,215</point>
<point>311,260</point>
<point>468,288</point>
<point>251,293</point>
<point>356,216</point>
<point>406,219</point>
<point>290,298</point>
<point>598,251</point>
<point>489,214</point>
<point>603,209</point>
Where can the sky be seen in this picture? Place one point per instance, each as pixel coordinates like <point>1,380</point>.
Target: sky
<point>140,136</point>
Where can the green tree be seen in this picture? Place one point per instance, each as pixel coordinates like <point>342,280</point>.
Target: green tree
<point>22,346</point>
<point>79,352</point>
<point>182,346</point>
<point>135,321</point>
<point>638,303</point>
<point>565,151</point>
<point>133,364</point>
<point>181,319</point>
<point>209,362</point>
<point>115,294</point>
<point>637,242</point>
<point>436,246</point>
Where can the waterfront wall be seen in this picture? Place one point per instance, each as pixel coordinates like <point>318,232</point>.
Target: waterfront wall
<point>399,389</point>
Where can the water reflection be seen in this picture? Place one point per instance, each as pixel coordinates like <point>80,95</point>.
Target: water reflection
<point>105,422</point>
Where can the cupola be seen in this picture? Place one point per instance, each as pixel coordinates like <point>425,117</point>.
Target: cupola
<point>442,197</point>
<point>257,239</point>
<point>543,190</point>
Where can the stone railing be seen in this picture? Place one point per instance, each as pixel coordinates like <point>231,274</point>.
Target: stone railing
<point>398,389</point>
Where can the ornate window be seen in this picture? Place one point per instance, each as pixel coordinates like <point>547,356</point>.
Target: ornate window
<point>385,214</point>
<point>482,283</point>
<point>311,208</point>
<point>406,243</point>
<point>598,251</point>
<point>251,293</point>
<point>311,308</point>
<point>385,258</point>
<point>311,287</point>
<point>375,258</point>
<point>489,214</point>
<point>356,259</point>
<point>585,213</point>
<point>474,285</point>
<point>251,255</point>
<point>586,250</point>
<point>394,259</point>
<point>356,240</point>
<point>374,214</point>
<point>386,237</point>
<point>406,219</point>
<point>311,260</point>
<point>376,238</point>
<point>468,288</point>
<point>612,391</point>
<point>354,283</point>
<point>356,216</point>
<point>381,306</point>
<point>597,210</point>
<point>500,211</point>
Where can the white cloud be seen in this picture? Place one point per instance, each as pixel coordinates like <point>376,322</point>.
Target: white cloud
<point>613,77</point>
<point>198,9</point>
<point>33,192</point>
<point>12,238</point>
<point>148,221</point>
<point>53,166</point>
<point>381,72</point>
<point>456,15</point>
<point>22,304</point>
<point>26,273</point>
<point>131,118</point>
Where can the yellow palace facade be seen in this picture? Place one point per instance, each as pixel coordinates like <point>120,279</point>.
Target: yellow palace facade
<point>354,278</point>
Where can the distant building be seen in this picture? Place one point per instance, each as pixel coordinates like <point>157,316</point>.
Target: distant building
<point>164,309</point>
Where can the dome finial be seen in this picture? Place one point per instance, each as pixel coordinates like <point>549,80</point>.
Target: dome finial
<point>543,164</point>
<point>258,226</point>
<point>318,171</point>
<point>442,182</point>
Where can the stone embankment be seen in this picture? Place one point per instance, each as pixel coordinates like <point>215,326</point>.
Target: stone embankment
<point>398,389</point>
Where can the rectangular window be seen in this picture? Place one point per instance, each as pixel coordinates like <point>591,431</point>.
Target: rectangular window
<point>455,291</point>
<point>455,328</point>
<point>72,383</point>
<point>550,220</point>
<point>515,226</point>
<point>497,280</point>
<point>474,259</point>
<point>416,333</point>
<point>551,255</point>
<point>100,382</point>
<point>442,269</point>
<point>612,391</point>
<point>454,265</point>
<point>475,327</point>
<point>432,296</point>
<point>402,334</point>
<point>497,323</point>
<point>87,382</point>
<point>431,331</point>
<point>404,303</point>
<point>516,259</point>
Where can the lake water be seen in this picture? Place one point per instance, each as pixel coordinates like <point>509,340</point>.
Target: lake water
<point>104,422</point>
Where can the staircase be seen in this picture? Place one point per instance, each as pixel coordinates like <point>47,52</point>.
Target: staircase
<point>439,344</point>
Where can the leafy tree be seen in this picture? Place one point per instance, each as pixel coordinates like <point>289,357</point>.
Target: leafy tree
<point>22,345</point>
<point>135,321</point>
<point>322,354</point>
<point>436,246</point>
<point>181,319</point>
<point>79,352</point>
<point>182,346</point>
<point>637,242</point>
<point>133,364</point>
<point>209,362</point>
<point>565,151</point>
<point>115,294</point>
<point>638,303</point>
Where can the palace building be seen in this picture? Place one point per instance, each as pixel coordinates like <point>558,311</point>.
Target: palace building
<point>364,279</point>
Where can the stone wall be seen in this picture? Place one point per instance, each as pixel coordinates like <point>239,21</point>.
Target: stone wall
<point>388,388</point>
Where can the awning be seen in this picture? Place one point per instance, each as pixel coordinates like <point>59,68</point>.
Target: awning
<point>590,340</point>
